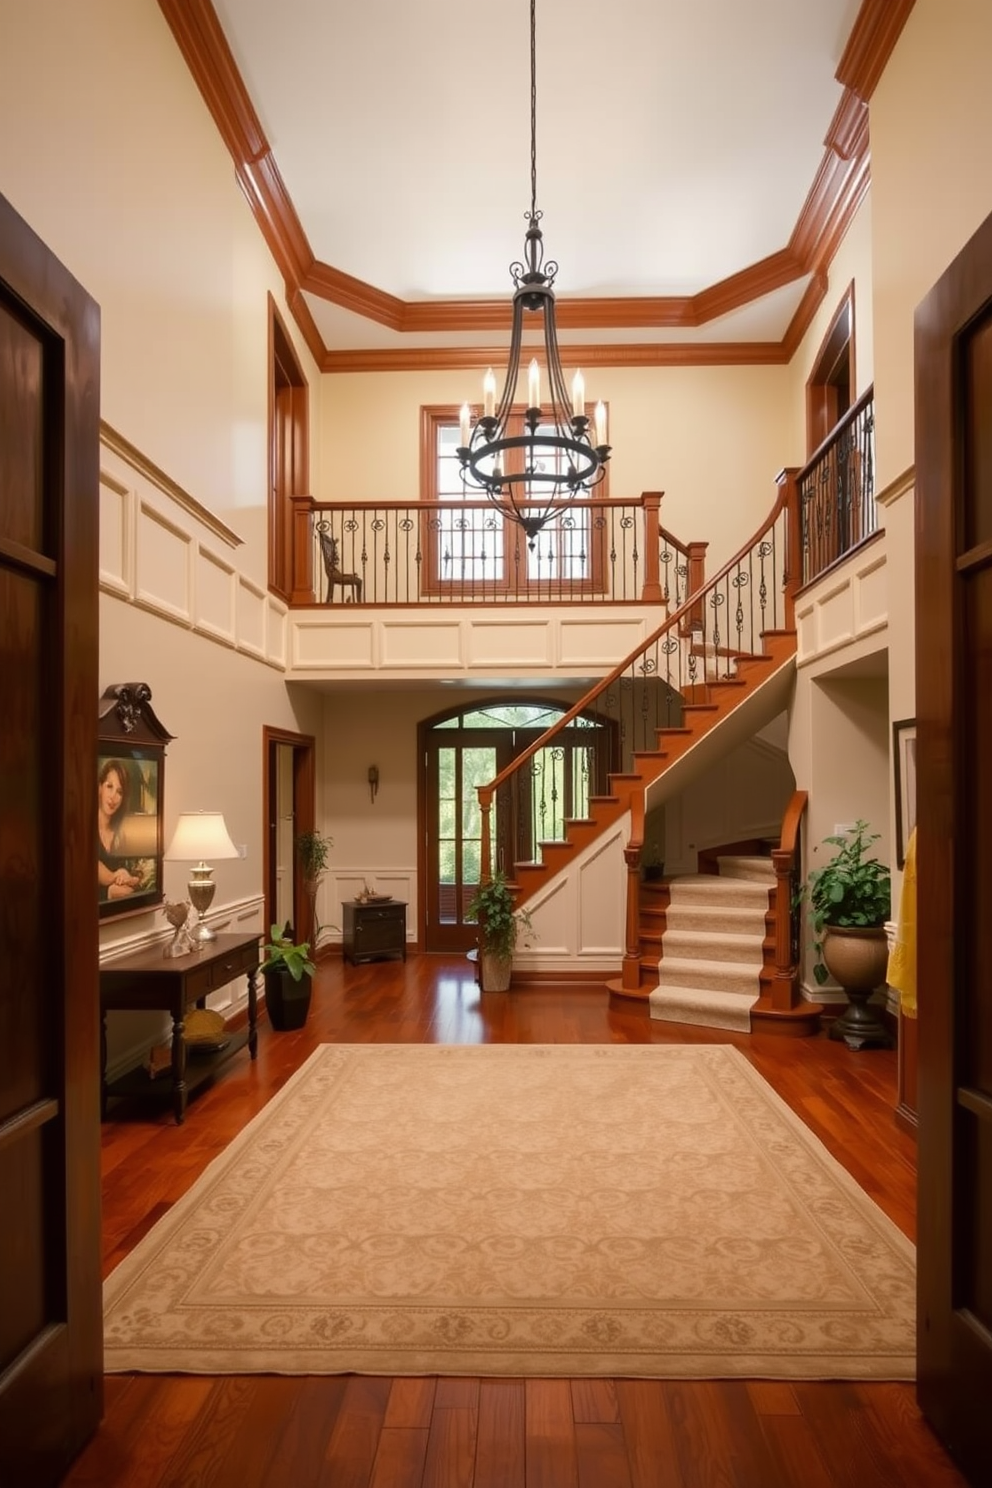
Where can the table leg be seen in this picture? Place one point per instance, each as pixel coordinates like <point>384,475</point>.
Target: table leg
<point>252,1013</point>
<point>179,1070</point>
<point>103,1067</point>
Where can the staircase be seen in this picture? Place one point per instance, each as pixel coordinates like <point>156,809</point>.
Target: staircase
<point>711,676</point>
<point>712,945</point>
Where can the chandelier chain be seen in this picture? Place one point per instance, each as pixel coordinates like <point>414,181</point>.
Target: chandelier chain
<point>533,109</point>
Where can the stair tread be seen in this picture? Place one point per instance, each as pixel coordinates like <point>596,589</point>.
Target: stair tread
<point>702,966</point>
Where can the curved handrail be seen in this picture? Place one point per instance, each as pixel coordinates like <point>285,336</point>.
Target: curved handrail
<point>715,594</point>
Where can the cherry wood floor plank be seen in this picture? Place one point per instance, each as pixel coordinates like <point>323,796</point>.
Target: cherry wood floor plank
<point>352,1432</point>
<point>601,1454</point>
<point>550,1435</point>
<point>451,1446</point>
<point>411,1403</point>
<point>351,1450</point>
<point>303,1440</point>
<point>399,1462</point>
<point>500,1451</point>
<point>595,1401</point>
<point>648,1433</point>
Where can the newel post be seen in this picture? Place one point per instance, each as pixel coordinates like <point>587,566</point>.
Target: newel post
<point>652,592</point>
<point>786,972</point>
<point>696,580</point>
<point>486,807</point>
<point>301,550</point>
<point>788,483</point>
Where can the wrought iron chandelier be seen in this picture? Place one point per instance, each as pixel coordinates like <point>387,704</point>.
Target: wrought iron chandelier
<point>527,475</point>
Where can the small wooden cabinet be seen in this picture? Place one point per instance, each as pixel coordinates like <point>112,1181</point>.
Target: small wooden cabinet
<point>373,930</point>
<point>149,980</point>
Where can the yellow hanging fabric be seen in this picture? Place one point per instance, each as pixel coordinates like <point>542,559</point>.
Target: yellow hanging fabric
<point>901,972</point>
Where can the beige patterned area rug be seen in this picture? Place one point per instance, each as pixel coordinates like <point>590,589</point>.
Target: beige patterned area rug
<point>522,1210</point>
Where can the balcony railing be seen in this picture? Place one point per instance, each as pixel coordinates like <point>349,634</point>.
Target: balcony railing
<point>465,553</point>
<point>837,491</point>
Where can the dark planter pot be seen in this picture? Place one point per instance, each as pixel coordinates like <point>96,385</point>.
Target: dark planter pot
<point>857,959</point>
<point>653,872</point>
<point>287,1002</point>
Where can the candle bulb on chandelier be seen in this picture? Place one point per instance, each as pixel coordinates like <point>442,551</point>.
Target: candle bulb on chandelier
<point>600,425</point>
<point>489,393</point>
<point>465,425</point>
<point>533,385</point>
<point>578,395</point>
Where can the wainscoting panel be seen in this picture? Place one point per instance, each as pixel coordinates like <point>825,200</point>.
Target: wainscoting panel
<point>215,587</point>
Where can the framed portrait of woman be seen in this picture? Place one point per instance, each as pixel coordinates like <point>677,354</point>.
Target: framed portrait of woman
<point>130,772</point>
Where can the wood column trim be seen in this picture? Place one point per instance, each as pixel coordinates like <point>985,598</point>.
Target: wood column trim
<point>652,592</point>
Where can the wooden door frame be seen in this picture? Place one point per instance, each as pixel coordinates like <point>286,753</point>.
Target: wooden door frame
<point>952,1396</point>
<point>304,747</point>
<point>52,1395</point>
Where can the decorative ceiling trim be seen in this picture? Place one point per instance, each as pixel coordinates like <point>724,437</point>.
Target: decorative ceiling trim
<point>837,191</point>
<point>874,34</point>
<point>639,354</point>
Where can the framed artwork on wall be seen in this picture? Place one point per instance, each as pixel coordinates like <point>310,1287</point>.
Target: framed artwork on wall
<point>130,769</point>
<point>904,757</point>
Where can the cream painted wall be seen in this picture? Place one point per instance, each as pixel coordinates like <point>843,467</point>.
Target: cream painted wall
<point>712,438</point>
<point>108,151</point>
<point>931,140</point>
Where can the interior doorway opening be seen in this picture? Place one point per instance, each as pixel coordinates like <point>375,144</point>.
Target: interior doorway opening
<point>290,808</point>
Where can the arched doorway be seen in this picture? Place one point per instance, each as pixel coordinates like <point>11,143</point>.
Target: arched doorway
<point>464,748</point>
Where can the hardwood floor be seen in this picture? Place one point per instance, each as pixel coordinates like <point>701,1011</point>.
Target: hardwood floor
<point>168,1431</point>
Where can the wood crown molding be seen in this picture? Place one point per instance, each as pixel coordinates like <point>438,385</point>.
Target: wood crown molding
<point>896,489</point>
<point>835,195</point>
<point>874,35</point>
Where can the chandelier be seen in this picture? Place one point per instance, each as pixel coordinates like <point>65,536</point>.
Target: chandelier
<point>526,475</point>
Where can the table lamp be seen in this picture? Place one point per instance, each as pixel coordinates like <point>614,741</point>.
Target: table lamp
<point>200,835</point>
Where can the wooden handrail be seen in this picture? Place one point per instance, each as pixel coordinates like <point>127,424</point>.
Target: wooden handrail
<point>785,500</point>
<point>838,430</point>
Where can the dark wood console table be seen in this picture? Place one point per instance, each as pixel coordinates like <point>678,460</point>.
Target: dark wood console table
<point>149,980</point>
<point>373,929</point>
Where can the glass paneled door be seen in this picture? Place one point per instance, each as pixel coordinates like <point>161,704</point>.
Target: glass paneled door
<point>470,749</point>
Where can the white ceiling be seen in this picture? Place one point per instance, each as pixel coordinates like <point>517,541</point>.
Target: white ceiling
<point>677,141</point>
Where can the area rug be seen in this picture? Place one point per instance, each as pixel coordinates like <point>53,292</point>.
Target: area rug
<point>521,1210</point>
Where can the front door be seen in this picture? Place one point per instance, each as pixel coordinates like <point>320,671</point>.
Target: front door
<point>51,1347</point>
<point>954,824</point>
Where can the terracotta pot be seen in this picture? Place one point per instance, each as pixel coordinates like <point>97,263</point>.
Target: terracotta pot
<point>856,958</point>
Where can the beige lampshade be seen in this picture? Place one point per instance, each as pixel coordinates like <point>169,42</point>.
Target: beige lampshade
<point>200,836</point>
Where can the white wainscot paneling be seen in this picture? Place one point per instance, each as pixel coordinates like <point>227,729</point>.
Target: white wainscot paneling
<point>319,646</point>
<point>116,565</point>
<point>805,632</point>
<point>250,618</point>
<point>602,888</point>
<point>163,580</point>
<point>408,644</point>
<point>509,643</point>
<point>599,642</point>
<point>835,617</point>
<point>276,632</point>
<point>871,596</point>
<point>552,915</point>
<point>215,589</point>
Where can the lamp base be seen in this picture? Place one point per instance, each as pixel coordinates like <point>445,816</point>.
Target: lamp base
<point>201,893</point>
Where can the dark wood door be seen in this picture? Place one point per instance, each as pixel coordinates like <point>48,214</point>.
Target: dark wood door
<point>954,782</point>
<point>50,1293</point>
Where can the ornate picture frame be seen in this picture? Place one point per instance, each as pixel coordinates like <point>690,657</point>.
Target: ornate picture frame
<point>130,801</point>
<point>904,765</point>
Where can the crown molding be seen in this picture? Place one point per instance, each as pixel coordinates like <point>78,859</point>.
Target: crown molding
<point>875,32</point>
<point>837,190</point>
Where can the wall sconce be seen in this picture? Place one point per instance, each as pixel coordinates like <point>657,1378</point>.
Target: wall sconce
<point>373,782</point>
<point>200,835</point>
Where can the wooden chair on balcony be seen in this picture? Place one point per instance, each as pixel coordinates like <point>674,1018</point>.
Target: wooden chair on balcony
<point>332,568</point>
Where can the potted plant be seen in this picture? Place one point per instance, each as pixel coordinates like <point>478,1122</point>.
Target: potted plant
<point>312,850</point>
<point>850,900</point>
<point>500,925</point>
<point>288,973</point>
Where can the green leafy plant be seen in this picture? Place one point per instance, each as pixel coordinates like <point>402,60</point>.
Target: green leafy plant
<point>500,924</point>
<point>312,849</point>
<point>851,891</point>
<point>281,954</point>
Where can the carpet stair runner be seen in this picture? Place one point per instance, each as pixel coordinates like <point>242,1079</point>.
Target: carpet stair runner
<point>712,945</point>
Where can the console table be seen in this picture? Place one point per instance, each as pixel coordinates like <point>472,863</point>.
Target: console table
<point>148,980</point>
<point>372,930</point>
